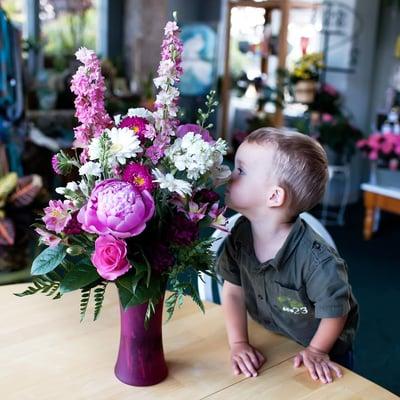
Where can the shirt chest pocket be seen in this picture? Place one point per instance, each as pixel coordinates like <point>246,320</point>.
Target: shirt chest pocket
<point>291,302</point>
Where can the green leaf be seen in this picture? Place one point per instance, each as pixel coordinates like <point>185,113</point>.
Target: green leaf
<point>79,277</point>
<point>48,260</point>
<point>43,284</point>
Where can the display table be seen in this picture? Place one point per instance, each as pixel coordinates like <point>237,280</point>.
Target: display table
<point>378,198</point>
<point>45,353</point>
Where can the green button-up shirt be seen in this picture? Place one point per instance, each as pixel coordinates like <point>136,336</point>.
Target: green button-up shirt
<point>306,281</point>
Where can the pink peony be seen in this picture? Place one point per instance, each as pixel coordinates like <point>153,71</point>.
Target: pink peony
<point>109,257</point>
<point>139,175</point>
<point>118,208</point>
<point>57,215</point>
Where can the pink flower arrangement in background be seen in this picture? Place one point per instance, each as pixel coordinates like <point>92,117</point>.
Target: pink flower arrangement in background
<point>383,148</point>
<point>145,189</point>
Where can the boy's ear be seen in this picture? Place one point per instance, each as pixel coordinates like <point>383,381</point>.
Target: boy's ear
<point>276,197</point>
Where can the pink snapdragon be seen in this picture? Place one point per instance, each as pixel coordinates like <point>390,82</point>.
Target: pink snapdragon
<point>88,86</point>
<point>166,104</point>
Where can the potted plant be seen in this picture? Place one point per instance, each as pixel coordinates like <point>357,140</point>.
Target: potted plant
<point>305,76</point>
<point>383,150</point>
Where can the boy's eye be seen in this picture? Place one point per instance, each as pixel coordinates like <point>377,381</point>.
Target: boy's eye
<point>241,172</point>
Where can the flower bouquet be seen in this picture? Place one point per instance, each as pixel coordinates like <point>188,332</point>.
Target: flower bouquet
<point>133,217</point>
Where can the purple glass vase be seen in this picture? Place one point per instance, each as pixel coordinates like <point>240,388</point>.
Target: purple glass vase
<point>141,359</point>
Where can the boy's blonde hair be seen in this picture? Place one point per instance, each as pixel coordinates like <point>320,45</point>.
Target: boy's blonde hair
<point>300,164</point>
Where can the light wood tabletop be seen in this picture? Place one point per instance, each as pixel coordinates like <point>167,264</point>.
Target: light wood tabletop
<point>46,353</point>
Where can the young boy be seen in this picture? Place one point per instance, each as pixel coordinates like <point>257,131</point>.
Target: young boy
<point>275,266</point>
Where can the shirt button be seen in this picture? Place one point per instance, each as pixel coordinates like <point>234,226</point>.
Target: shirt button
<point>317,246</point>
<point>260,297</point>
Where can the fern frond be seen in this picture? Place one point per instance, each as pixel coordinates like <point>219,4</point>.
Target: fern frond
<point>85,295</point>
<point>42,284</point>
<point>99,293</point>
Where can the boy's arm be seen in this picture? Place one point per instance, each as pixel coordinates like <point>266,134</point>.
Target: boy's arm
<point>315,357</point>
<point>328,331</point>
<point>244,358</point>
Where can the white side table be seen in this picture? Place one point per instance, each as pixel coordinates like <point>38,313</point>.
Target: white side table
<point>340,173</point>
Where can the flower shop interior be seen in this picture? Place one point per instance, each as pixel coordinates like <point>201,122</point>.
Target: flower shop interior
<point>328,69</point>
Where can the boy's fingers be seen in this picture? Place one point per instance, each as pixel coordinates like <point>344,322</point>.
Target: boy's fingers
<point>243,367</point>
<point>249,364</point>
<point>320,372</point>
<point>297,361</point>
<point>327,372</point>
<point>336,368</point>
<point>254,359</point>
<point>311,368</point>
<point>235,368</point>
<point>261,358</point>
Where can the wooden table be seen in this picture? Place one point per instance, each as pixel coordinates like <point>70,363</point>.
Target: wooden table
<point>45,353</point>
<point>378,198</point>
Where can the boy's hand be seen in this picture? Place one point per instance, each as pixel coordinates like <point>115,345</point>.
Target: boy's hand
<point>318,364</point>
<point>245,359</point>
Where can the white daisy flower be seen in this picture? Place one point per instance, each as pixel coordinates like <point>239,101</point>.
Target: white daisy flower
<point>124,144</point>
<point>169,182</point>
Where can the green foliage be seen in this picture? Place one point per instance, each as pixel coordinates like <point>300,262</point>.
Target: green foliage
<point>99,293</point>
<point>48,260</point>
<point>78,276</point>
<point>42,284</point>
<point>85,295</point>
<point>211,103</point>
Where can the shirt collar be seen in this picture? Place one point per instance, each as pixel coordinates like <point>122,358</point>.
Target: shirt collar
<point>290,244</point>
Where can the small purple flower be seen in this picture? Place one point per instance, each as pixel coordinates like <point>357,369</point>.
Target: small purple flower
<point>73,227</point>
<point>137,124</point>
<point>196,129</point>
<point>206,196</point>
<point>182,231</point>
<point>139,175</point>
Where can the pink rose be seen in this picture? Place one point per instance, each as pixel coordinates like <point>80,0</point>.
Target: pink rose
<point>109,257</point>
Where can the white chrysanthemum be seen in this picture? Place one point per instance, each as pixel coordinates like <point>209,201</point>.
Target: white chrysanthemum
<point>90,168</point>
<point>124,144</point>
<point>140,112</point>
<point>169,182</point>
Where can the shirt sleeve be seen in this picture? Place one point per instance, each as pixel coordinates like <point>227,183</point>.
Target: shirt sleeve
<point>227,265</point>
<point>328,288</point>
